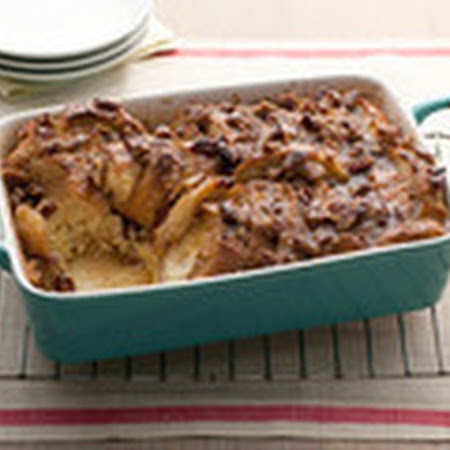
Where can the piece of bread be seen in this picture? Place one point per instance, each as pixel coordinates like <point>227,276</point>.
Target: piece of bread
<point>71,174</point>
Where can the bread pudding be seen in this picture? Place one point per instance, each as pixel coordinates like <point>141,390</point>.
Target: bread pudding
<point>101,200</point>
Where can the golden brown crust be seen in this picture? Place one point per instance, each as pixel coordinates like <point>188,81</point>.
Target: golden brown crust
<point>223,187</point>
<point>69,176</point>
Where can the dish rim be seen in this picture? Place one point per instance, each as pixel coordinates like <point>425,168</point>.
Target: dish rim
<point>10,244</point>
<point>120,54</point>
<point>43,67</point>
<point>144,8</point>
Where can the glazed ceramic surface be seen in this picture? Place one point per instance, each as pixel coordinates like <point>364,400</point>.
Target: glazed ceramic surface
<point>84,326</point>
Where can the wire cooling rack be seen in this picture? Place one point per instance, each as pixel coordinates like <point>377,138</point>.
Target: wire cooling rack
<point>411,345</point>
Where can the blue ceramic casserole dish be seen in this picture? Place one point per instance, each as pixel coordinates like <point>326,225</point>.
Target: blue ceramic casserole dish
<point>83,326</point>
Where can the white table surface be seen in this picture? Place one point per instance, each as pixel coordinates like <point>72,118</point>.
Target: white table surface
<point>307,20</point>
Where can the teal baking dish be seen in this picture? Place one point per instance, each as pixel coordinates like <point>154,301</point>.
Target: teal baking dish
<point>75,327</point>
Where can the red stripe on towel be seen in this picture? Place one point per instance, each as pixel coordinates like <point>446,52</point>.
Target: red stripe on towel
<point>231,414</point>
<point>309,53</point>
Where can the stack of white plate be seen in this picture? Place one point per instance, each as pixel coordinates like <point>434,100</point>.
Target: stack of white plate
<point>56,40</point>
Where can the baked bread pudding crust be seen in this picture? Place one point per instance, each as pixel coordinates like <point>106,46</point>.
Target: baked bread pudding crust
<point>99,200</point>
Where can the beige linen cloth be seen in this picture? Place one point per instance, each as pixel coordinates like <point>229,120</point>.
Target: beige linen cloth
<point>158,39</point>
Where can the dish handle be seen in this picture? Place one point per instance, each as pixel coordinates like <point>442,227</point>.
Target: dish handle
<point>425,109</point>
<point>5,263</point>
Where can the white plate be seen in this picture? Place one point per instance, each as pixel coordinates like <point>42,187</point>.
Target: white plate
<point>52,29</point>
<point>74,63</point>
<point>79,72</point>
